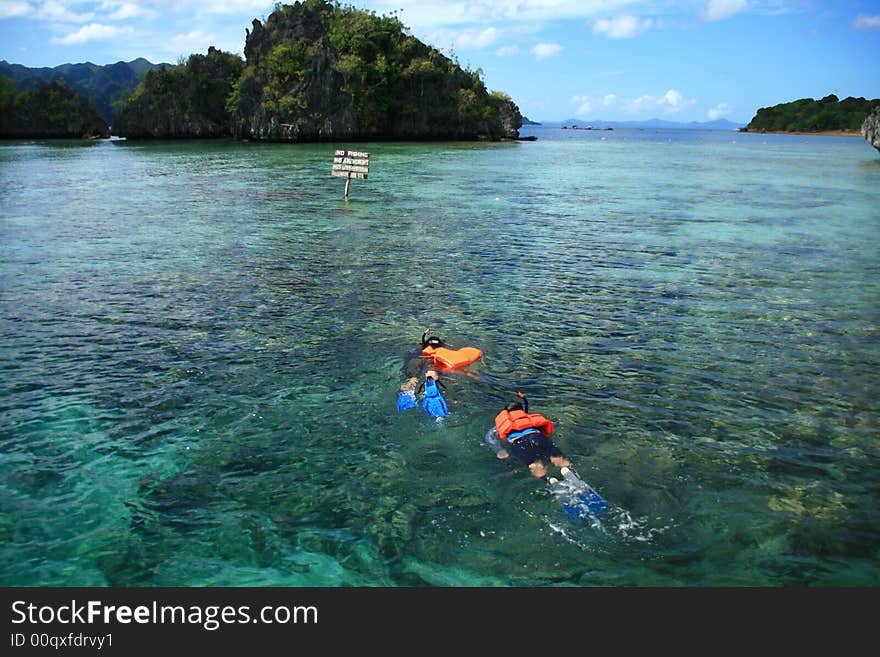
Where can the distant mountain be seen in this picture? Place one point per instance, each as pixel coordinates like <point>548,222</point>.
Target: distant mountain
<point>104,86</point>
<point>660,124</point>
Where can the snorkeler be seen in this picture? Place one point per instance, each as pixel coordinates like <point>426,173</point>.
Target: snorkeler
<point>526,436</point>
<point>444,358</point>
<point>415,363</point>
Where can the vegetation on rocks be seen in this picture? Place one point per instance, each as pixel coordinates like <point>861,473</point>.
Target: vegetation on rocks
<point>319,71</point>
<point>187,100</point>
<point>49,111</point>
<point>808,115</point>
<point>105,86</point>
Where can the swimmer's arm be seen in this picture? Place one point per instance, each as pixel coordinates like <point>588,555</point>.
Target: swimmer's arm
<point>494,443</point>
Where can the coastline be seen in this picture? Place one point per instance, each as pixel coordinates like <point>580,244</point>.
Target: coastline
<point>822,133</point>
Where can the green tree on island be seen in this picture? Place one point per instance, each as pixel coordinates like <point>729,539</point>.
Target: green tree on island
<point>808,115</point>
<point>48,111</point>
<point>315,70</point>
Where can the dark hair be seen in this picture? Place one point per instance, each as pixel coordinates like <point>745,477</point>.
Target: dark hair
<point>434,341</point>
<point>514,406</point>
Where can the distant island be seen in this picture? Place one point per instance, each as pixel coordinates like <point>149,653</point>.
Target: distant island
<point>650,124</point>
<point>830,115</point>
<point>585,127</point>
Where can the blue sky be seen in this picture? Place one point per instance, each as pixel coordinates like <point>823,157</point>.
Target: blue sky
<point>689,60</point>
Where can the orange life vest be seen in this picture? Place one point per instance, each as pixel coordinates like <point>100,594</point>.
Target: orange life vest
<point>450,359</point>
<point>507,422</point>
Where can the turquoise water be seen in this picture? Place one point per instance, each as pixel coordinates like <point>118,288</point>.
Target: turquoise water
<point>202,344</point>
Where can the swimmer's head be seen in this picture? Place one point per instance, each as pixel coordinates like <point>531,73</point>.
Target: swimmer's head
<point>431,374</point>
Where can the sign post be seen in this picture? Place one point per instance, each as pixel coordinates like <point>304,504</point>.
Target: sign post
<point>351,164</point>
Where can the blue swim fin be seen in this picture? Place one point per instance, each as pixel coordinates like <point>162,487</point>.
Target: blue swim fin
<point>433,402</point>
<point>581,500</point>
<point>406,399</point>
<point>593,502</point>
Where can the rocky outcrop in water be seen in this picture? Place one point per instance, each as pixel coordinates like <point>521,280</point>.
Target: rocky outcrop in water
<point>871,128</point>
<point>314,71</point>
<point>184,101</point>
<point>50,112</point>
<point>319,71</point>
<point>808,115</point>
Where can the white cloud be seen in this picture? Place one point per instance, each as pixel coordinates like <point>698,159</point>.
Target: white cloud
<point>543,50</point>
<point>669,103</point>
<point>585,106</point>
<point>120,11</point>
<point>420,14</point>
<point>463,39</point>
<point>507,51</point>
<point>55,11</point>
<point>719,111</point>
<point>866,23</point>
<point>195,41</point>
<point>14,8</point>
<point>255,7</point>
<point>91,32</point>
<point>672,98</point>
<point>475,39</point>
<point>643,104</point>
<point>721,9</point>
<point>622,27</point>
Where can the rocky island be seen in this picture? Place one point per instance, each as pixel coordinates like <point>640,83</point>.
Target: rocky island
<point>317,71</point>
<point>183,101</point>
<point>871,128</point>
<point>830,115</point>
<point>48,112</point>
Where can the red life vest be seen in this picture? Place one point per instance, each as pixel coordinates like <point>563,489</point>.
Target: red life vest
<point>507,422</point>
<point>450,359</point>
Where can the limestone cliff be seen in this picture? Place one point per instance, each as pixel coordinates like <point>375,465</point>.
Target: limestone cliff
<point>319,71</point>
<point>871,128</point>
<point>316,70</point>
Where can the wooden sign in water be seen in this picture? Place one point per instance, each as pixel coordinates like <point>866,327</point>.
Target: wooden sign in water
<point>351,164</point>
